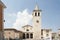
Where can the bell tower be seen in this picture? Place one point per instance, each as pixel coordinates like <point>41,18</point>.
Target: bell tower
<point>2,6</point>
<point>36,22</point>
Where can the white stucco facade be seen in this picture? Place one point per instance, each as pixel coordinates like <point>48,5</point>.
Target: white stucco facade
<point>36,23</point>
<point>46,34</point>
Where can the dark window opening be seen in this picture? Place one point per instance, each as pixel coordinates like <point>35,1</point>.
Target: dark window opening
<point>23,35</point>
<point>41,32</point>
<point>47,31</point>
<point>31,35</point>
<point>27,30</point>
<point>27,35</point>
<point>52,37</point>
<point>35,14</point>
<point>41,37</point>
<point>59,34</point>
<point>47,34</point>
<point>38,14</point>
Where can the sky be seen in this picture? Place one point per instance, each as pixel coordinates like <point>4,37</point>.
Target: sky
<point>19,13</point>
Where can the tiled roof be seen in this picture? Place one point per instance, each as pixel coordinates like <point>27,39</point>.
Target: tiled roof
<point>7,29</point>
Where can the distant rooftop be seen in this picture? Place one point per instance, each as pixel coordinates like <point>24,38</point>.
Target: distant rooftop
<point>47,29</point>
<point>58,29</point>
<point>7,29</point>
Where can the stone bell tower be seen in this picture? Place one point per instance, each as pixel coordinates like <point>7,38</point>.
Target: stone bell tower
<point>36,23</point>
<point>2,6</point>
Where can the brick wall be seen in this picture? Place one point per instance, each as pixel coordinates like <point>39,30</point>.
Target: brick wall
<point>1,17</point>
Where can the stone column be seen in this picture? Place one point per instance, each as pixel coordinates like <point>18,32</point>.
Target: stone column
<point>25,35</point>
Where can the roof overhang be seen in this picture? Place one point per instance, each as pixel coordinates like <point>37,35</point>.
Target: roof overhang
<point>1,3</point>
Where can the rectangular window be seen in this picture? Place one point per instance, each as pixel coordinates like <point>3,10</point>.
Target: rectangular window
<point>59,34</point>
<point>41,32</point>
<point>47,31</point>
<point>47,34</point>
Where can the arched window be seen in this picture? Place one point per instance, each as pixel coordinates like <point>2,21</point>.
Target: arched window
<point>27,35</point>
<point>23,35</point>
<point>38,14</point>
<point>35,14</point>
<point>31,35</point>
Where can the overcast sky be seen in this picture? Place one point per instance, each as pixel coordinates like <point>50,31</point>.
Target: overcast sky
<point>19,13</point>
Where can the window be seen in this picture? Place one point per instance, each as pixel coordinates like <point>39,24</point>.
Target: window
<point>59,34</point>
<point>27,30</point>
<point>35,14</point>
<point>23,35</point>
<point>41,32</point>
<point>47,31</point>
<point>52,37</point>
<point>47,34</point>
<point>27,35</point>
<point>41,37</point>
<point>38,14</point>
<point>31,35</point>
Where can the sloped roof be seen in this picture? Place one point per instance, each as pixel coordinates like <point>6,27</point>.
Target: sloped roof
<point>47,29</point>
<point>37,8</point>
<point>7,29</point>
<point>1,3</point>
<point>27,26</point>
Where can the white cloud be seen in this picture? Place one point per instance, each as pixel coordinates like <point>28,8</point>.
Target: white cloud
<point>11,14</point>
<point>23,18</point>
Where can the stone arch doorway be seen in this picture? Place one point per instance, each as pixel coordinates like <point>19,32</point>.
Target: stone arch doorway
<point>27,35</point>
<point>23,35</point>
